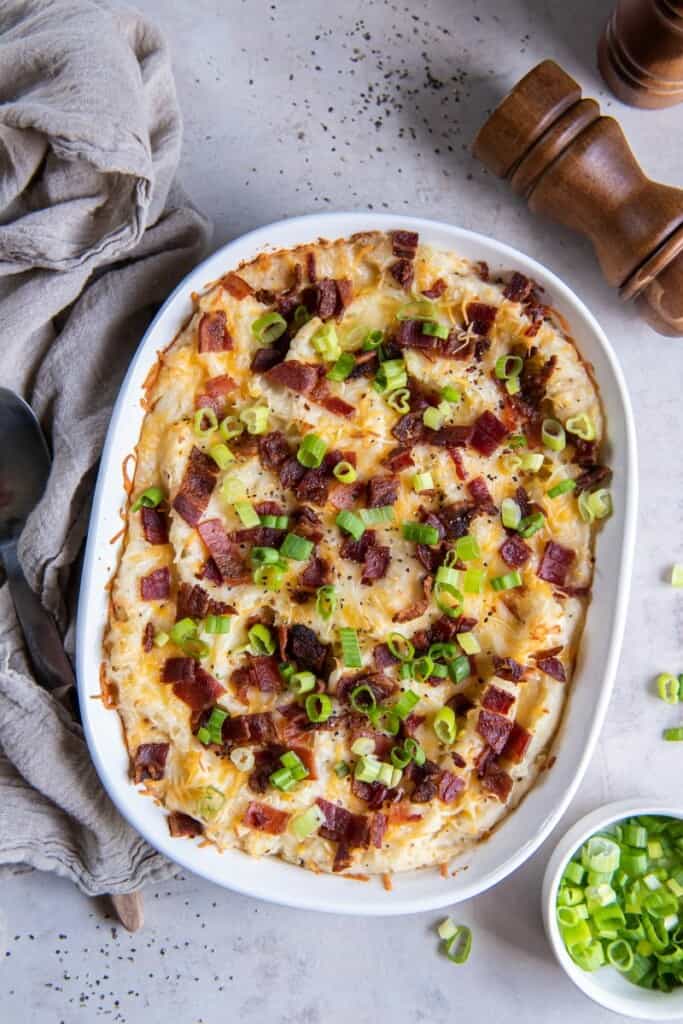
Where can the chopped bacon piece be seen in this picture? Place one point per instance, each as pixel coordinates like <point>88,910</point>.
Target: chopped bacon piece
<point>265,673</point>
<point>196,487</point>
<point>348,830</point>
<point>378,826</point>
<point>418,608</point>
<point>410,335</point>
<point>524,502</point>
<point>399,459</point>
<point>425,778</point>
<point>236,286</point>
<point>409,429</point>
<point>156,586</point>
<point>337,406</point>
<point>213,334</point>
<point>202,692</point>
<point>265,818</point>
<point>592,476</point>
<point>307,522</point>
<point>488,432</point>
<point>381,686</point>
<point>402,272</point>
<point>495,699</point>
<point>313,486</point>
<point>382,490</point>
<point>517,743</point>
<point>179,670</point>
<point>383,658</point>
<point>518,287</point>
<point>242,730</point>
<point>450,786</point>
<point>436,290</point>
<point>496,780</point>
<point>356,550</point>
<point>310,267</point>
<point>305,649</point>
<point>373,793</point>
<point>404,243</point>
<point>148,638</point>
<point>223,550</point>
<point>482,496</point>
<point>480,317</point>
<point>456,456</point>
<point>291,472</point>
<point>449,437</point>
<point>268,356</point>
<point>444,628</point>
<point>316,574</point>
<point>552,667</point>
<point>456,518</point>
<point>154,526</point>
<point>483,268</point>
<point>533,381</point>
<point>457,760</point>
<point>150,761</point>
<point>555,563</point>
<point>411,723</point>
<point>183,826</point>
<point>376,563</point>
<point>273,450</point>
<point>514,551</point>
<point>461,704</point>
<point>210,571</point>
<point>345,495</point>
<point>508,668</point>
<point>326,298</point>
<point>299,377</point>
<point>494,728</point>
<point>215,392</point>
<point>192,602</point>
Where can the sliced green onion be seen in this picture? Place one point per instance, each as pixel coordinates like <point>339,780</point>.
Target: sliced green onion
<point>421,533</point>
<point>405,704</point>
<point>447,929</point>
<point>350,523</point>
<point>351,655</point>
<point>600,854</point>
<point>269,576</point>
<point>516,441</point>
<point>564,487</point>
<point>367,769</point>
<point>467,548</point>
<point>581,425</point>
<point>600,503</point>
<point>342,368</point>
<point>669,690</point>
<point>412,747</point>
<point>553,435</point>
<point>419,310</point>
<point>232,489</point>
<point>363,746</point>
<point>269,327</point>
<point>391,375</point>
<point>531,462</point>
<point>210,802</point>
<point>459,669</point>
<point>469,643</point>
<point>326,601</point>
<point>459,947</point>
<point>326,343</point>
<point>200,416</point>
<point>264,556</point>
<point>444,725</point>
<point>294,764</point>
<point>473,581</point>
<point>574,872</point>
<point>423,482</point>
<point>513,386</point>
<point>341,769</point>
<point>255,419</point>
<point>183,630</point>
<point>372,340</point>
<point>508,367</point>
<point>422,668</point>
<point>301,317</point>
<point>435,329</point>
<point>510,513</point>
<point>400,646</point>
<point>400,757</point>
<point>150,498</point>
<point>677,576</point>
<point>243,759</point>
<point>212,731</point>
<point>399,400</point>
<point>217,624</point>
<point>161,639</point>
<point>301,682</point>
<point>221,455</point>
<point>444,574</point>
<point>296,547</point>
<point>433,417</point>
<point>362,697</point>
<point>282,779</point>
<point>261,640</point>
<point>305,824</point>
<point>620,955</point>
<point>318,707</point>
<point>277,522</point>
<point>511,463</point>
<point>450,394</point>
<point>345,472</point>
<point>448,600</point>
<point>508,581</point>
<point>311,451</point>
<point>247,513</point>
<point>673,735</point>
<point>377,516</point>
<point>287,670</point>
<point>530,525</point>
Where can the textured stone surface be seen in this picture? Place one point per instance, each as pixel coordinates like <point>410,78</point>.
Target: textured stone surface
<point>296,106</point>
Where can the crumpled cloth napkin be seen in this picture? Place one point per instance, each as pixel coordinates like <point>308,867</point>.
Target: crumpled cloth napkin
<point>93,236</point>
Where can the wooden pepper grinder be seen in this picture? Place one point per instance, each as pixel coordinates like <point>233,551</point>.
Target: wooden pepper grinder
<point>575,166</point>
<point>640,53</point>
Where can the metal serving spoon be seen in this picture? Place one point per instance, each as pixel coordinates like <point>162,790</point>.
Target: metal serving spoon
<point>24,469</point>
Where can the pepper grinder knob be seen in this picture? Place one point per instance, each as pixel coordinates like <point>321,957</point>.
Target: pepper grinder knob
<point>575,166</point>
<point>640,53</point>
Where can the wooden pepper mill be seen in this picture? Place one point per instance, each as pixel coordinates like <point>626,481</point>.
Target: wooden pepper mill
<point>575,166</point>
<point>640,53</point>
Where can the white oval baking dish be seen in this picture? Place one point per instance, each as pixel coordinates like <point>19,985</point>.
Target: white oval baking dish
<point>523,831</point>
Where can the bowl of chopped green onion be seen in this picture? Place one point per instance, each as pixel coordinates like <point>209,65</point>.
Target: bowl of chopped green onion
<point>613,907</point>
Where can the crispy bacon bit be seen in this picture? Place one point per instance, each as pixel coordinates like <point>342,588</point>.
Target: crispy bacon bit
<point>457,460</point>
<point>313,486</point>
<point>382,686</point>
<point>210,571</point>
<point>182,826</point>
<point>383,658</point>
<point>216,390</point>
<point>150,761</point>
<point>410,429</point>
<point>496,780</point>
<point>592,476</point>
<point>424,777</point>
<point>311,272</point>
<point>202,692</point>
<point>402,272</point>
<point>376,563</point>
<point>514,551</point>
<point>292,374</point>
<point>454,436</point>
<point>483,268</point>
<point>518,288</point>
<point>480,317</point>
<point>517,744</point>
<point>373,793</point>
<point>457,760</point>
<point>436,290</point>
<point>456,518</point>
<point>337,406</point>
<point>461,704</point>
<point>482,496</point>
<point>326,298</point>
<point>418,608</point>
<point>508,668</point>
<point>345,495</point>
<point>268,356</point>
<point>348,830</point>
<point>555,563</point>
<point>192,602</point>
<point>316,574</point>
<point>444,628</point>
<point>179,670</point>
<point>243,730</point>
<point>154,526</point>
<point>533,381</point>
<point>450,786</point>
<point>213,333</point>
<point>526,506</point>
<point>378,826</point>
<point>196,487</point>
<point>552,667</point>
<point>156,586</point>
<point>404,243</point>
<point>382,490</point>
<point>307,522</point>
<point>264,673</point>
<point>305,649</point>
<point>488,432</point>
<point>148,638</point>
<point>291,472</point>
<point>411,723</point>
<point>399,459</point>
<point>236,286</point>
<point>494,728</point>
<point>356,550</point>
<point>495,699</point>
<point>265,818</point>
<point>223,550</point>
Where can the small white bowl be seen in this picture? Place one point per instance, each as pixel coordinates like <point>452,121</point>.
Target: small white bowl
<point>606,985</point>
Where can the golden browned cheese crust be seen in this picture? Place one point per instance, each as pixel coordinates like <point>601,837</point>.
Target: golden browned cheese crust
<point>431,811</point>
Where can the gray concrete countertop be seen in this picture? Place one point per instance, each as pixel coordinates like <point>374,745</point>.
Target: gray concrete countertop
<point>294,106</point>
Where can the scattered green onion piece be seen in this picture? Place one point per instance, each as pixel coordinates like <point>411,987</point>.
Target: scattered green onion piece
<point>200,416</point>
<point>372,340</point>
<point>433,417</point>
<point>668,690</point>
<point>531,462</point>
<point>161,639</point>
<point>183,630</point>
<point>421,533</point>
<point>448,600</point>
<point>677,576</point>
<point>508,581</point>
<point>459,947</point>
<point>255,419</point>
<point>574,872</point>
<point>423,482</point>
<point>350,523</point>
<point>305,824</point>
<point>342,368</point>
<point>673,735</point>
<point>508,367</point>
<point>150,498</point>
<point>377,516</point>
<point>511,463</point>
<point>269,576</point>
<point>513,386</point>
<point>469,643</point>
<point>326,601</point>
<point>341,769</point>
<point>419,310</point>
<point>269,327</point>
<point>287,670</point>
<point>326,343</point>
<point>510,513</point>
<point>400,646</point>
<point>600,503</point>
<point>261,640</point>
<point>367,769</point>
<point>434,329</point>
<point>453,577</point>
<point>459,669</point>
<point>582,426</point>
<point>311,451</point>
<point>530,525</point>
<point>210,802</point>
<point>363,746</point>
<point>467,548</point>
<point>445,651</point>
<point>405,704</point>
<point>264,556</point>
<point>232,489</point>
<point>301,682</point>
<point>620,955</point>
<point>516,441</point>
<point>447,929</point>
<point>217,624</point>
<point>247,513</point>
<point>282,779</point>
<point>277,522</point>
<point>553,435</point>
<point>564,487</point>
<point>294,764</point>
<point>473,581</point>
<point>399,400</point>
<point>600,854</point>
<point>230,427</point>
<point>422,668</point>
<point>362,698</point>
<point>450,394</point>
<point>391,375</point>
<point>318,707</point>
<point>351,655</point>
<point>243,758</point>
<point>221,455</point>
<point>296,547</point>
<point>444,725</point>
<point>417,753</point>
<point>345,472</point>
<point>400,758</point>
<point>301,317</point>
